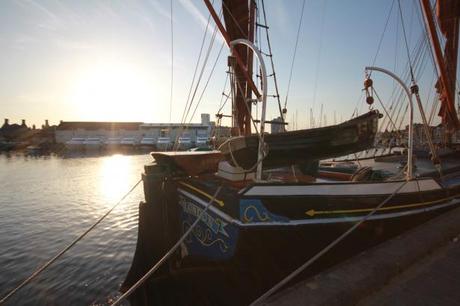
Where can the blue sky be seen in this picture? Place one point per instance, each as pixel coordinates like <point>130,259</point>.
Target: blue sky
<point>111,60</point>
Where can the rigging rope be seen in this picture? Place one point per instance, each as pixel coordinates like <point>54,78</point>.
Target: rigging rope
<point>420,71</point>
<point>432,85</point>
<point>419,55</point>
<point>57,256</point>
<point>172,62</point>
<point>295,53</point>
<point>260,138</point>
<point>395,84</point>
<point>247,109</point>
<point>196,68</point>
<point>205,61</point>
<point>382,36</point>
<point>275,81</point>
<point>207,82</point>
<point>422,67</point>
<point>265,149</point>
<point>222,101</point>
<point>219,115</point>
<point>417,50</point>
<point>168,254</point>
<point>384,108</point>
<point>318,59</point>
<point>434,109</point>
<point>325,250</point>
<point>405,41</point>
<point>425,32</point>
<point>186,125</point>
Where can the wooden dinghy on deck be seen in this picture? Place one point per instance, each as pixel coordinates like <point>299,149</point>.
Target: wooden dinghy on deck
<point>294,147</point>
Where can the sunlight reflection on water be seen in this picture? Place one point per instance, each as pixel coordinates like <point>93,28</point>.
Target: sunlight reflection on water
<point>114,177</point>
<point>45,203</point>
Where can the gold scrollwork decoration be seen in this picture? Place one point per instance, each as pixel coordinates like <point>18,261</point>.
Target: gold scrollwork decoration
<point>264,216</point>
<point>205,237</point>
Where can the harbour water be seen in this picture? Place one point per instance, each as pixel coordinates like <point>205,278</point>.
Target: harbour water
<point>45,203</point>
<point>48,201</point>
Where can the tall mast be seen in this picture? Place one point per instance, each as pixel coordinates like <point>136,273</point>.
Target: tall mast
<point>239,18</point>
<point>448,12</point>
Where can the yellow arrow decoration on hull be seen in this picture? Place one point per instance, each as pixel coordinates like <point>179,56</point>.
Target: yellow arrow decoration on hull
<point>312,212</point>
<point>220,202</point>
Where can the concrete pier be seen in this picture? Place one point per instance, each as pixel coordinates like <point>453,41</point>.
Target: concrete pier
<point>419,267</point>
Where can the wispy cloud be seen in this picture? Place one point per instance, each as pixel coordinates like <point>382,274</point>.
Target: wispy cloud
<point>47,19</point>
<point>192,9</point>
<point>195,12</point>
<point>43,9</point>
<point>160,9</point>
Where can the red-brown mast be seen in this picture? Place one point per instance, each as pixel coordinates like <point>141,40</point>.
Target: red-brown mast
<point>239,17</point>
<point>448,12</point>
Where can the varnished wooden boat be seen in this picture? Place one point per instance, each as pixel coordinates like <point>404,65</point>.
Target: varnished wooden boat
<point>294,147</point>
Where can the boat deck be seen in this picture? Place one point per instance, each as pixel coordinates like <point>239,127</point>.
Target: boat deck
<point>420,267</point>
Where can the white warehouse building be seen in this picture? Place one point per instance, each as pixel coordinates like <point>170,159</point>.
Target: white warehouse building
<point>161,135</point>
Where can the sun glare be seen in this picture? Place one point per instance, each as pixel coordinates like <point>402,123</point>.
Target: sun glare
<point>113,93</point>
<point>114,179</point>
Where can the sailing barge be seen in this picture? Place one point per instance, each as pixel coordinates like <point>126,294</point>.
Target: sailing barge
<point>258,226</point>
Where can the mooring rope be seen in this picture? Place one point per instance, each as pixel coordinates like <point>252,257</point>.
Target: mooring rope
<point>56,257</point>
<point>168,254</point>
<point>325,250</point>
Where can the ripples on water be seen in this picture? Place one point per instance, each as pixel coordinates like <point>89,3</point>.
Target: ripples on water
<point>45,203</point>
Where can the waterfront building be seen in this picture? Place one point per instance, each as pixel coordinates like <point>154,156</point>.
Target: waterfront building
<point>13,132</point>
<point>136,131</point>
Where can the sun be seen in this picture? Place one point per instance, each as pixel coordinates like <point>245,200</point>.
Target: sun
<point>113,92</point>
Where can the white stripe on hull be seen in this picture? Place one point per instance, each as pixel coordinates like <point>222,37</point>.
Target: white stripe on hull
<point>343,189</point>
<point>312,221</point>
